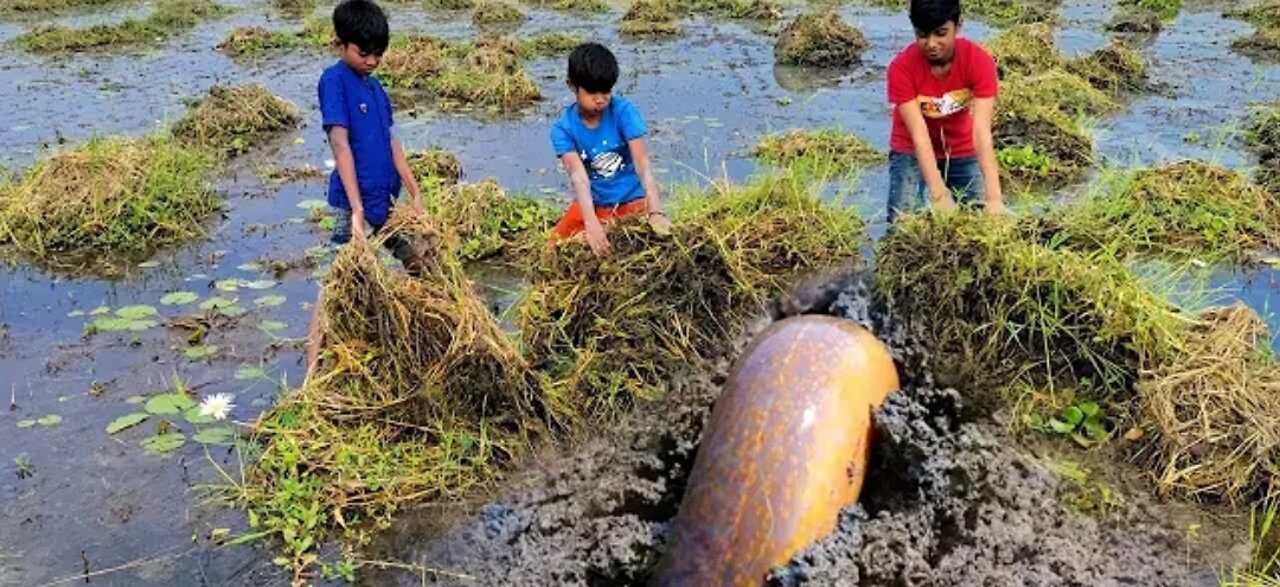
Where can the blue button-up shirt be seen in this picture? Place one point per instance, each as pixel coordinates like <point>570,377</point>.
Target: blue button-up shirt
<point>360,104</point>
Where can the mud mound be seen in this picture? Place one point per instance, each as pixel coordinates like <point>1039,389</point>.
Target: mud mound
<point>820,39</point>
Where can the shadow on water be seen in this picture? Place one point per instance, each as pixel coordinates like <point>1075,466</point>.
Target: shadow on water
<point>101,501</point>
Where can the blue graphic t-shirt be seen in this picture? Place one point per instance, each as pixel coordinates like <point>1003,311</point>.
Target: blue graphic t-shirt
<point>603,149</point>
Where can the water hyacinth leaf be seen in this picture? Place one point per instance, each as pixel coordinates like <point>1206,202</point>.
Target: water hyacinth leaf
<point>50,420</point>
<point>169,403</point>
<point>260,284</point>
<point>269,301</point>
<point>215,303</point>
<point>136,312</point>
<point>194,416</point>
<point>273,326</point>
<point>1089,409</point>
<point>247,373</point>
<point>136,399</point>
<point>203,351</point>
<point>1073,416</point>
<point>231,311</point>
<point>100,310</point>
<point>312,204</point>
<point>1061,427</point>
<point>227,284</point>
<point>222,436</point>
<point>250,267</point>
<point>126,421</point>
<point>165,443</point>
<point>179,298</point>
<point>26,423</point>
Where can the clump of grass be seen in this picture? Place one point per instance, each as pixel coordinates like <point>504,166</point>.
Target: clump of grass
<point>1030,122</point>
<point>997,12</point>
<point>294,8</point>
<point>1263,14</point>
<point>997,308</point>
<point>1131,20</point>
<point>451,4</point>
<point>317,31</point>
<point>1216,408</point>
<point>550,44</point>
<point>251,41</point>
<point>489,222</point>
<point>169,17</point>
<point>1114,68</point>
<point>54,6</point>
<point>1187,209</point>
<point>493,12</point>
<point>1263,44</point>
<point>824,151</point>
<point>1165,9</point>
<point>412,62</point>
<point>1262,135</point>
<point>419,394</point>
<point>235,118</point>
<point>616,331</point>
<point>744,9</point>
<point>579,6</point>
<point>435,167</point>
<point>1263,568</point>
<point>109,200</point>
<point>487,73</point>
<point>1025,50</point>
<point>650,18</point>
<point>819,39</point>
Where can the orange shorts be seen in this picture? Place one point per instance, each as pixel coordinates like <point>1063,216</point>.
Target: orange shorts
<point>571,223</point>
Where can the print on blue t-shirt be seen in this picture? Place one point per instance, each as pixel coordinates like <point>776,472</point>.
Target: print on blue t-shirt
<point>603,149</point>
<point>359,104</point>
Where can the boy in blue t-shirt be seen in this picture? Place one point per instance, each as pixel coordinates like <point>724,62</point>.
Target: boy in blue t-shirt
<point>601,141</point>
<point>356,113</point>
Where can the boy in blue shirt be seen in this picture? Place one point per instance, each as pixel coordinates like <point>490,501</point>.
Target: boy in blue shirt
<point>356,112</point>
<point>600,138</point>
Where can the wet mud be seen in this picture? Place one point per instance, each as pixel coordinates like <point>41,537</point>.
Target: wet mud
<point>950,499</point>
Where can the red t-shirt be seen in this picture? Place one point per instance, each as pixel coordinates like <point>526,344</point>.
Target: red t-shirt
<point>945,102</point>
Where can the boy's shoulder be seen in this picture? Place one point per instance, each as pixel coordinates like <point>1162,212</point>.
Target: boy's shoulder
<point>335,71</point>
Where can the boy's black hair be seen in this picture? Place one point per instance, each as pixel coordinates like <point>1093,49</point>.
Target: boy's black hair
<point>928,15</point>
<point>593,68</point>
<point>363,24</point>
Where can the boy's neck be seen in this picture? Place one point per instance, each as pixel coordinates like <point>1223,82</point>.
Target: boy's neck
<point>588,118</point>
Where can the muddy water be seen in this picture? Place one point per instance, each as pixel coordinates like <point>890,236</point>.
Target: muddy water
<point>100,502</point>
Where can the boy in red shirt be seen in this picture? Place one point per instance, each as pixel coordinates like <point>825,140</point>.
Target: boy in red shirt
<point>943,90</point>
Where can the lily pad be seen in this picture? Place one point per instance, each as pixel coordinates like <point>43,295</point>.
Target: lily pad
<point>227,284</point>
<point>221,435</point>
<point>194,416</point>
<point>136,399</point>
<point>112,324</point>
<point>169,403</point>
<point>260,284</point>
<point>269,301</point>
<point>203,351</point>
<point>126,421</point>
<point>231,311</point>
<point>26,423</point>
<point>179,298</point>
<point>136,312</point>
<point>164,444</point>
<point>100,310</point>
<point>312,204</point>
<point>75,313</point>
<point>216,302</point>
<point>247,373</point>
<point>250,267</point>
<point>50,420</point>
<point>273,326</point>
<point>148,264</point>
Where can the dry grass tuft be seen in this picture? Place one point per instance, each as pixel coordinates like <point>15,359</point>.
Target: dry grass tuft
<point>234,118</point>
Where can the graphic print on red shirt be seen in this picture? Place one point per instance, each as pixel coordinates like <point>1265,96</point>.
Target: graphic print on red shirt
<point>944,101</point>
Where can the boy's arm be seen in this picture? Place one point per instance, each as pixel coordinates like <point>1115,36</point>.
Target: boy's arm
<point>406,175</point>
<point>581,184</point>
<point>939,195</point>
<point>983,113</point>
<point>346,165</point>
<point>653,201</point>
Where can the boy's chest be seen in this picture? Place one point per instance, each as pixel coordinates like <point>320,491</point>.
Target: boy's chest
<point>368,108</point>
<point>942,98</point>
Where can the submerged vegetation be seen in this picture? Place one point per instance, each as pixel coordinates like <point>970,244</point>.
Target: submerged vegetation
<point>822,151</point>
<point>234,118</point>
<point>108,200</point>
<point>819,39</point>
<point>169,16</point>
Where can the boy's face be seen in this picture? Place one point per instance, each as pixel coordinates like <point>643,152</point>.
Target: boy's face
<point>939,45</point>
<point>591,103</point>
<point>364,63</point>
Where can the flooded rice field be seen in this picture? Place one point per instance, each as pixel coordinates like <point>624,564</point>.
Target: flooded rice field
<point>79,504</point>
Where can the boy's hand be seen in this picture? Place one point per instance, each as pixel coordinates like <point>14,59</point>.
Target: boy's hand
<point>661,225</point>
<point>598,240</point>
<point>996,208</point>
<point>416,206</point>
<point>941,199</point>
<point>357,227</point>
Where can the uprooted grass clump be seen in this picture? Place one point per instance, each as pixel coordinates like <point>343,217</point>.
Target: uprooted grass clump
<point>1128,20</point>
<point>487,73</point>
<point>819,39</point>
<point>294,8</point>
<point>1262,135</point>
<point>650,18</point>
<point>109,200</point>
<point>614,331</point>
<point>435,168</point>
<point>1165,9</point>
<point>250,41</point>
<point>235,118</point>
<point>169,17</point>
<point>37,6</point>
<point>1216,409</point>
<point>1263,44</point>
<point>451,4</point>
<point>579,6</point>
<point>997,308</point>
<point>489,221</point>
<point>1262,13</point>
<point>998,12</point>
<point>1182,210</point>
<point>549,44</point>
<point>493,12</point>
<point>744,9</point>
<point>419,394</point>
<point>822,151</point>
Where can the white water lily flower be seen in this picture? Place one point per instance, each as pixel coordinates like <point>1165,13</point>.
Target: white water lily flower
<point>330,163</point>
<point>217,406</point>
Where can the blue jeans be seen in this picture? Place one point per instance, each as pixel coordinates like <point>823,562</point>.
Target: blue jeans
<point>907,190</point>
<point>400,248</point>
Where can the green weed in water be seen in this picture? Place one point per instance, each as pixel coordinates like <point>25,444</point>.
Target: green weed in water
<point>1262,136</point>
<point>1165,9</point>
<point>819,39</point>
<point>1260,13</point>
<point>493,12</point>
<point>252,41</point>
<point>234,118</point>
<point>52,6</point>
<point>821,152</point>
<point>580,6</point>
<point>169,17</point>
<point>651,18</point>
